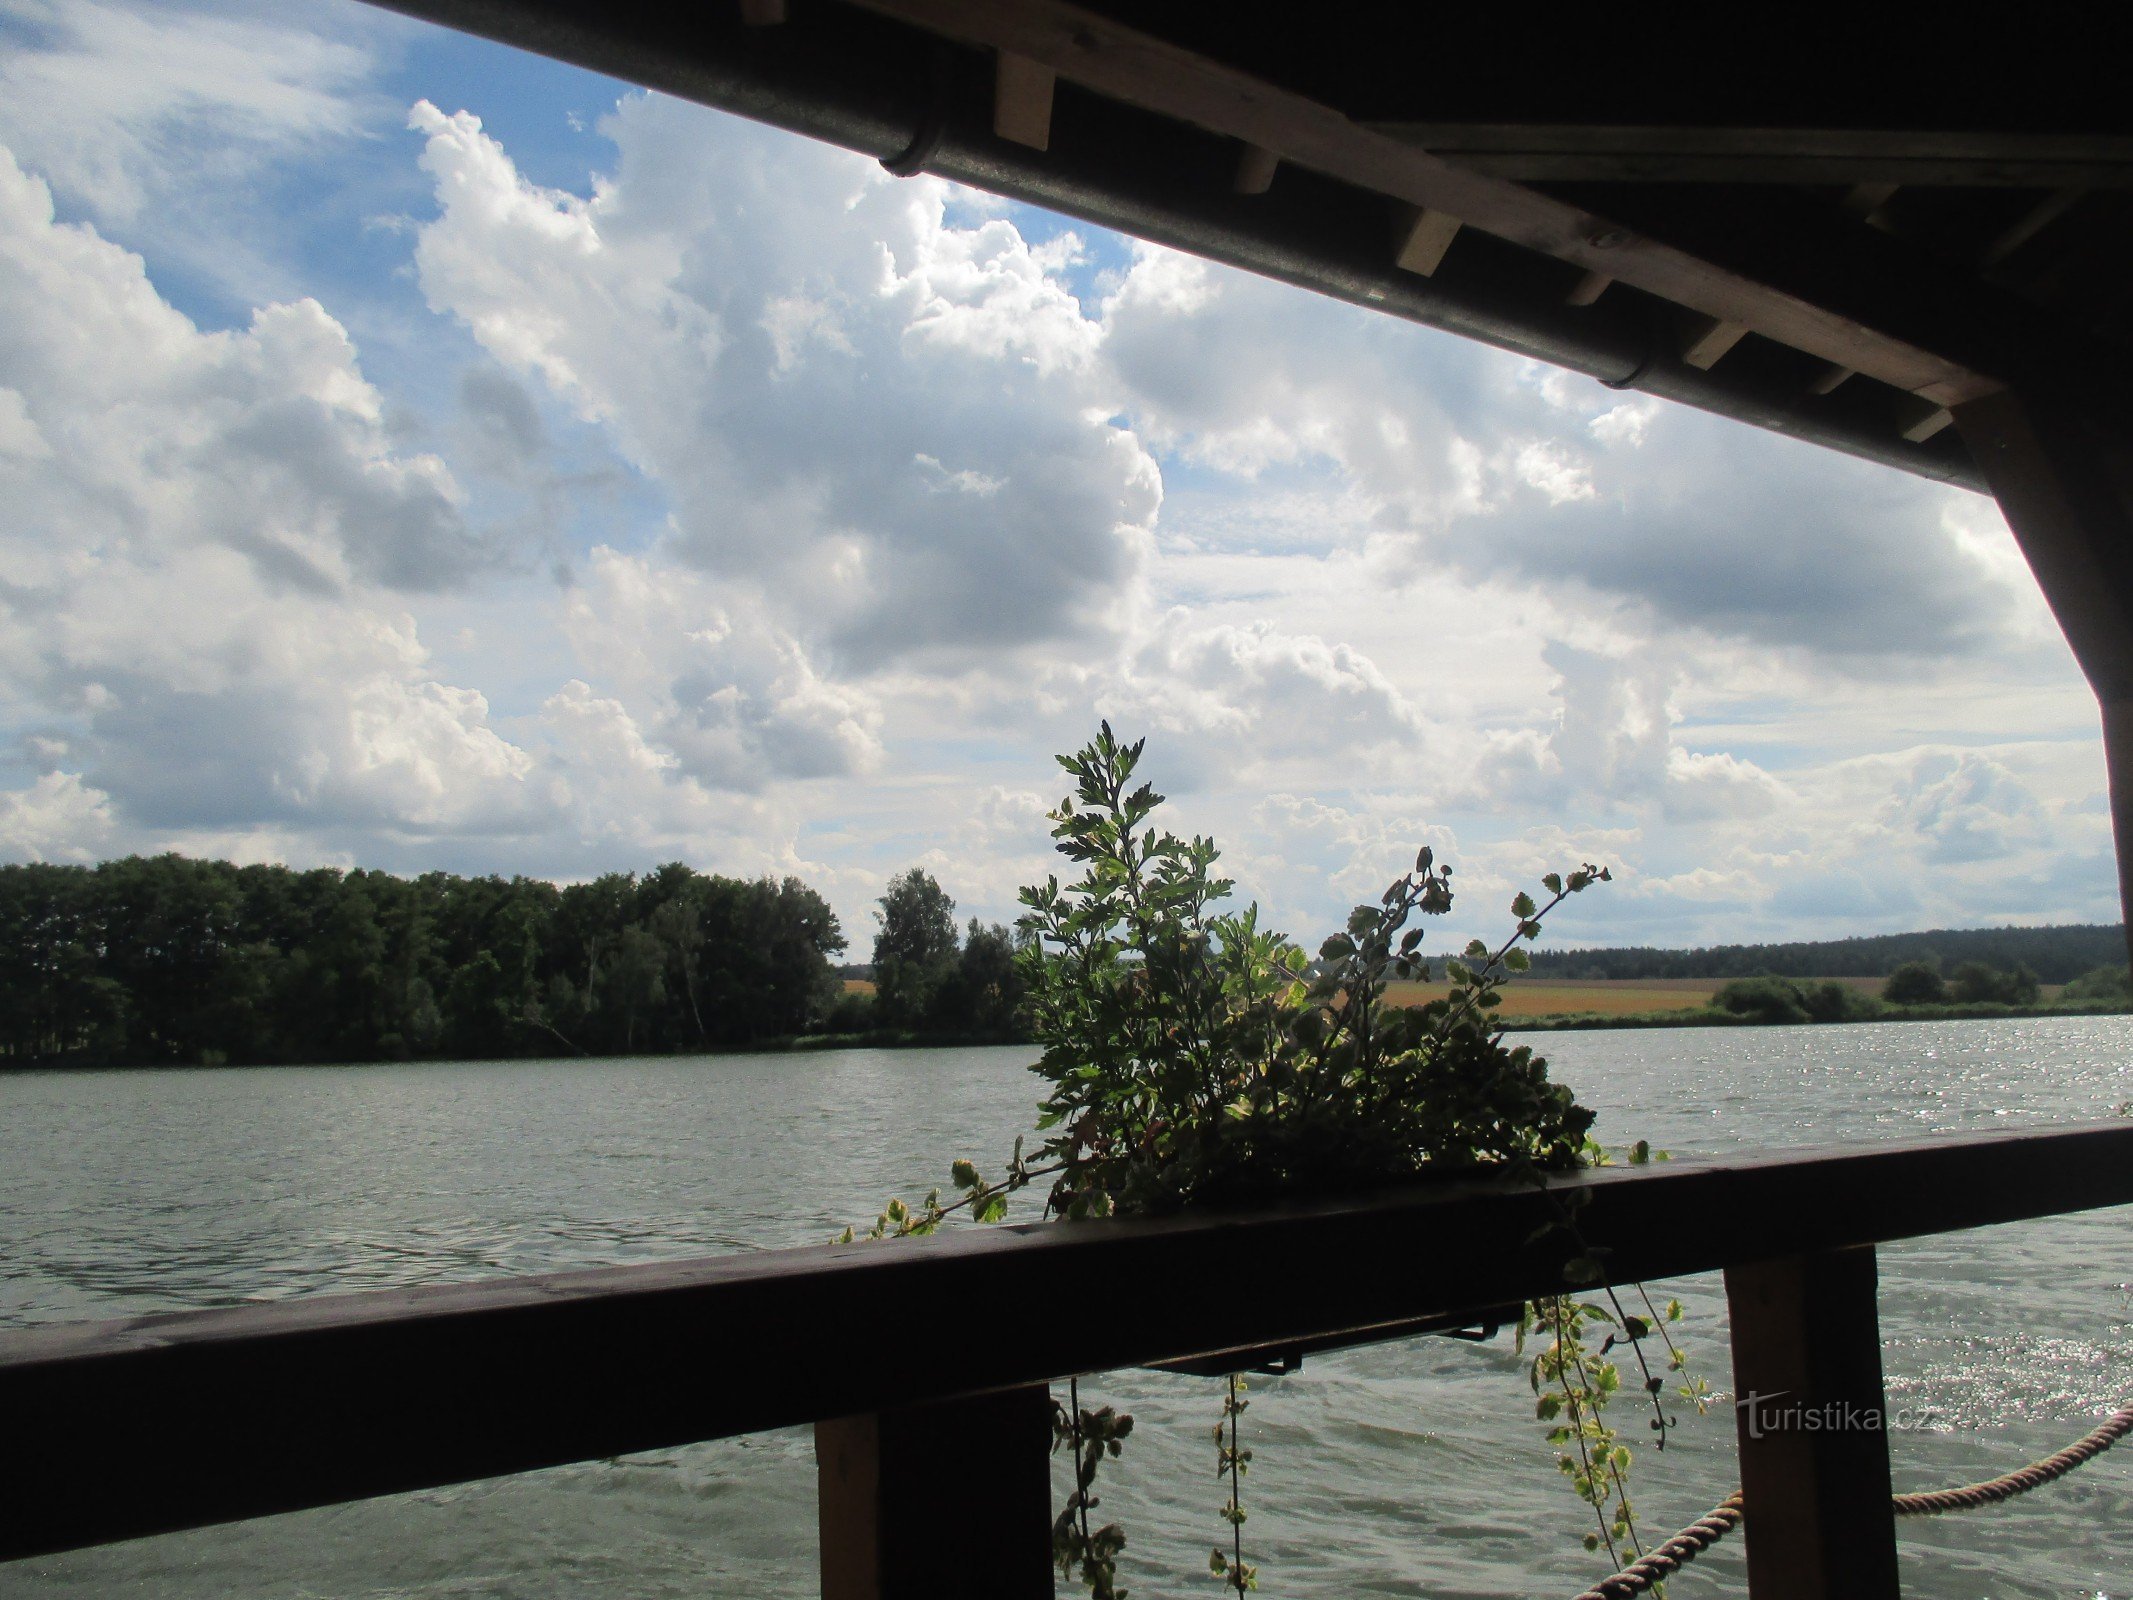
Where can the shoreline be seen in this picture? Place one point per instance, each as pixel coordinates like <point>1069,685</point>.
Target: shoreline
<point>1716,1017</point>
<point>906,1039</point>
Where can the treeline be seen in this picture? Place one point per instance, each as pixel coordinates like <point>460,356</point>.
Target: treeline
<point>2054,954</point>
<point>168,959</point>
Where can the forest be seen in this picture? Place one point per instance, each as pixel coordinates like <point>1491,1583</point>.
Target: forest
<point>170,960</point>
<point>2055,954</point>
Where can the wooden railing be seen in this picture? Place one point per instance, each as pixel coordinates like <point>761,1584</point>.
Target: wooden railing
<point>119,1429</point>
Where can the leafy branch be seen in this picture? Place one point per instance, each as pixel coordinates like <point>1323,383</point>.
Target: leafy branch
<point>1194,1057</point>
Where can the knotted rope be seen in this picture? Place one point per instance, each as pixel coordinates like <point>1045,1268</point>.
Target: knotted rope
<point>1669,1558</point>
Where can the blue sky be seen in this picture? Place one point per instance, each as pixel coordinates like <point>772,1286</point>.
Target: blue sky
<point>422,455</point>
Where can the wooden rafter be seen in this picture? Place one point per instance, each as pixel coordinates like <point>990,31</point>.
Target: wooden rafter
<point>1127,65</point>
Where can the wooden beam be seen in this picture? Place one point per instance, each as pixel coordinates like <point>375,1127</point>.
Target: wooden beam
<point>1813,1426</point>
<point>1022,101</point>
<point>2033,222</point>
<point>1255,170</point>
<point>1423,245</point>
<point>2056,472</point>
<point>1831,379</point>
<point>1874,162</point>
<point>1864,199</point>
<point>2059,473</point>
<point>762,13</point>
<point>947,1499</point>
<point>1588,289</point>
<point>1139,69</point>
<point>1709,344</point>
<point>1923,419</point>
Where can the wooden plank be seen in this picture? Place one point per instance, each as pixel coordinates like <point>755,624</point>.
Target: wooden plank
<point>1022,101</point>
<point>762,13</point>
<point>1923,420</point>
<point>946,1499</point>
<point>1831,379</point>
<point>2032,222</point>
<point>1588,289</point>
<point>1425,241</point>
<point>1255,170</point>
<point>1145,71</point>
<point>1813,1426</point>
<point>1865,199</point>
<point>178,1420</point>
<point>1709,344</point>
<point>1871,159</point>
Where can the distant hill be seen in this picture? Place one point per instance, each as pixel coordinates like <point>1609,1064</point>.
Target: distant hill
<point>2054,954</point>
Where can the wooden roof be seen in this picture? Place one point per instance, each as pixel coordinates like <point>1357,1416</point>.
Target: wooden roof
<point>1790,225</point>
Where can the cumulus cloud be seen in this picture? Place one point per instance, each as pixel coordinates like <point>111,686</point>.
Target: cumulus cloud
<point>58,818</point>
<point>1228,698</point>
<point>206,531</point>
<point>1493,465</point>
<point>726,310</point>
<point>732,703</point>
<point>1612,744</point>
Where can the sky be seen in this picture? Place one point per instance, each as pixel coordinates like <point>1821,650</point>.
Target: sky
<point>419,455</point>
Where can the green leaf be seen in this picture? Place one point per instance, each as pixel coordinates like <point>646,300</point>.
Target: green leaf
<point>1522,906</point>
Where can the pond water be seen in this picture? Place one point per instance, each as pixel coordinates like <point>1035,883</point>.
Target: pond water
<point>1411,1469</point>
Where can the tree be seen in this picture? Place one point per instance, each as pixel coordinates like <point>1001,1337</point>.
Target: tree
<point>1915,983</point>
<point>1974,982</point>
<point>915,949</point>
<point>983,991</point>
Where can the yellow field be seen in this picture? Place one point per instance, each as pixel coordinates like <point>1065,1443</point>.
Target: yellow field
<point>1612,997</point>
<point>858,985</point>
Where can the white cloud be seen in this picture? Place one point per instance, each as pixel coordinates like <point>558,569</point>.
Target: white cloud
<point>724,308</point>
<point>113,103</point>
<point>205,533</point>
<point>736,705</point>
<point>58,818</point>
<point>1477,462</point>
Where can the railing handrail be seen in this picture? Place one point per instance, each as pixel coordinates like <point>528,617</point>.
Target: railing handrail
<point>152,1423</point>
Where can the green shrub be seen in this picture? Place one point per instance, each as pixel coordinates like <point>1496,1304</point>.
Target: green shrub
<point>2100,983</point>
<point>1915,983</point>
<point>1974,982</point>
<point>1763,1000</point>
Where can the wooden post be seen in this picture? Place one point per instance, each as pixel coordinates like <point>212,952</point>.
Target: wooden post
<point>1814,1447</point>
<point>2061,474</point>
<point>949,1499</point>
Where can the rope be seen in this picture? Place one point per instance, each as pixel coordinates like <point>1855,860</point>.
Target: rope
<point>2022,1479</point>
<point>1669,1558</point>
